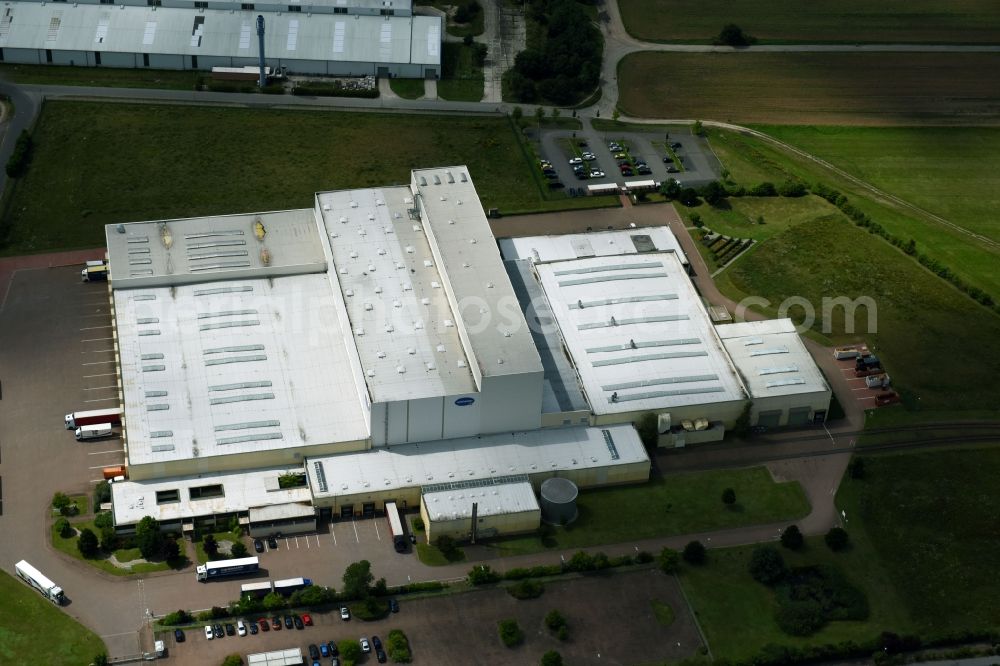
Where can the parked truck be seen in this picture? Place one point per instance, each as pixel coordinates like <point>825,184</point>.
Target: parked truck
<point>223,568</point>
<point>95,431</point>
<point>256,590</point>
<point>37,580</point>
<point>112,415</point>
<point>95,273</point>
<point>289,585</point>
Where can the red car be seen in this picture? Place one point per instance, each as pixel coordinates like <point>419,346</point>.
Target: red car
<point>307,620</point>
<point>264,624</point>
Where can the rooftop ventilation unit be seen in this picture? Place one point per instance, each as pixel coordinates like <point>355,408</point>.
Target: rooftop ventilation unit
<point>437,179</point>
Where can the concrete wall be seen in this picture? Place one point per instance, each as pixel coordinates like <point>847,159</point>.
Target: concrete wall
<point>24,56</point>
<point>511,402</point>
<point>819,401</point>
<point>487,526</point>
<point>726,412</point>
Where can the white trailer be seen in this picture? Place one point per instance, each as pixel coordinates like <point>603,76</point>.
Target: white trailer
<point>94,431</point>
<point>37,580</point>
<point>256,590</point>
<point>111,415</point>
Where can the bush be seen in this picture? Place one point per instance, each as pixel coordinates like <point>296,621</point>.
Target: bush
<point>483,575</point>
<point>233,660</point>
<point>688,196</point>
<point>148,538</point>
<point>729,497</point>
<point>713,193</point>
<point>766,565</point>
<point>695,553</point>
<point>800,618</point>
<point>733,35</point>
<point>534,572</point>
<point>764,189</point>
<point>668,560</point>
<point>18,162</point>
<point>418,524</point>
<point>556,623</point>
<point>88,544</point>
<point>398,647</point>
<point>792,188</point>
<point>526,589</point>
<point>210,545</point>
<point>109,540</point>
<point>552,658</point>
<point>371,609</point>
<point>643,557</point>
<point>836,539</point>
<point>428,586</point>
<point>291,480</point>
<point>60,501</point>
<point>238,550</point>
<point>696,220</point>
<point>792,538</point>
<point>63,528</point>
<point>510,633</point>
<point>448,547</point>
<point>104,519</point>
<point>177,617</point>
<point>274,601</point>
<point>350,651</point>
<point>102,494</point>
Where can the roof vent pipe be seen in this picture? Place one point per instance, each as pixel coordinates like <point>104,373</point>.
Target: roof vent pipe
<point>260,39</point>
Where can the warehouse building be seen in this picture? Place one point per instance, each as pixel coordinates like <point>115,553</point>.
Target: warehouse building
<point>302,38</point>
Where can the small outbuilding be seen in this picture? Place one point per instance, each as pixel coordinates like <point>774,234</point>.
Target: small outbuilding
<point>480,509</point>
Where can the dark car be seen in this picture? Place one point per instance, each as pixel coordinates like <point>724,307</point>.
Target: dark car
<point>552,176</point>
<point>380,655</point>
<point>556,185</point>
<point>230,629</point>
<point>179,635</point>
<point>253,628</point>
<point>667,159</point>
<point>673,169</point>
<point>333,649</point>
<point>218,631</point>
<point>313,651</point>
<point>626,172</point>
<point>676,145</point>
<point>288,622</point>
<point>413,537</point>
<point>272,543</point>
<point>393,605</point>
<point>376,642</point>
<point>258,545</point>
<point>298,622</point>
<point>276,622</point>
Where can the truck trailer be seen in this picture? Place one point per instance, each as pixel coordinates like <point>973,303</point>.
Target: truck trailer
<point>95,431</point>
<point>289,585</point>
<point>256,590</point>
<point>223,568</point>
<point>95,273</point>
<point>35,579</point>
<point>112,415</point>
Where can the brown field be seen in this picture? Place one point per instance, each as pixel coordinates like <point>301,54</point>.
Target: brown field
<point>817,21</point>
<point>814,88</point>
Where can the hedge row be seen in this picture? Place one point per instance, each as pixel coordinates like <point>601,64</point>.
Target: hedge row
<point>18,162</point>
<point>581,562</point>
<point>328,91</point>
<point>909,247</point>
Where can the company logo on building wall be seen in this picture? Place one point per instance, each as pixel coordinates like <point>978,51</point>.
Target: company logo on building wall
<point>465,402</point>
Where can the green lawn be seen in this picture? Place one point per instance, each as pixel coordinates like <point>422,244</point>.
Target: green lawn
<point>407,88</point>
<point>461,76</point>
<point>844,21</point>
<point>663,612</point>
<point>931,518</point>
<point>674,504</point>
<point>31,626</point>
<point>199,546</point>
<point>738,216</point>
<point>51,75</point>
<point>737,613</point>
<point>96,164</point>
<point>433,557</point>
<point>950,171</point>
<point>68,546</point>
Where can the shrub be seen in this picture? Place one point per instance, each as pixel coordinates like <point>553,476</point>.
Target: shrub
<point>329,91</point>
<point>109,540</point>
<point>510,633</point>
<point>102,494</point>
<point>418,524</point>
<point>88,544</point>
<point>239,550</point>
<point>764,189</point>
<point>447,546</point>
<point>218,612</point>
<point>398,647</point>
<point>698,129</point>
<point>18,162</point>
<point>291,480</point>
<point>526,589</point>
<point>836,539</point>
<point>483,575</point>
<point>792,188</point>
<point>371,609</point>
<point>210,545</point>
<point>792,538</point>
<point>688,196</point>
<point>104,519</point>
<point>63,528</point>
<point>800,618</point>
<point>350,651</point>
<point>733,35</point>
<point>177,617</point>
<point>644,557</point>
<point>729,497</point>
<point>556,623</point>
<point>671,189</point>
<point>668,560</point>
<point>552,658</point>
<point>696,220</point>
<point>695,553</point>
<point>713,193</point>
<point>233,660</point>
<point>171,549</point>
<point>274,601</point>
<point>766,565</point>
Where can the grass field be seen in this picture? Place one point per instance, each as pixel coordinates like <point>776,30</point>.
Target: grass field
<point>737,613</point>
<point>751,161</point>
<point>33,626</point>
<point>96,164</point>
<point>50,75</point>
<point>839,21</point>
<point>407,88</point>
<point>931,518</point>
<point>461,76</point>
<point>950,171</point>
<point>814,88</point>
<point>675,504</point>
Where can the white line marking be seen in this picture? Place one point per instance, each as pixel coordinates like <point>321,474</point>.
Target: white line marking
<point>98,362</point>
<point>98,466</point>
<point>333,534</point>
<point>95,339</point>
<point>98,351</point>
<point>94,328</point>
<point>102,399</point>
<point>106,374</point>
<point>296,542</point>
<point>317,540</point>
<point>377,535</point>
<point>101,388</point>
<point>355,524</point>
<point>97,453</point>
<point>307,543</point>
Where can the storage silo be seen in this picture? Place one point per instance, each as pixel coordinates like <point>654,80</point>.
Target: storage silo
<point>559,501</point>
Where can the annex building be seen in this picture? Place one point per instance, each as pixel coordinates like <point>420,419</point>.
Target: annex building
<point>378,347</point>
<point>319,37</point>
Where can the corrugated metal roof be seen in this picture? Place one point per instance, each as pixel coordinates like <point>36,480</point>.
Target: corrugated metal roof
<point>543,249</point>
<point>490,500</point>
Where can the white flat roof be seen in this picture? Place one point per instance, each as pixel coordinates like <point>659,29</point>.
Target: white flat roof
<point>543,249</point>
<point>228,368</point>
<point>491,500</point>
<point>133,500</point>
<point>221,33</point>
<point>460,236</point>
<point>402,323</point>
<point>548,450</point>
<point>287,657</point>
<point>164,252</point>
<point>638,333</point>
<point>771,358</point>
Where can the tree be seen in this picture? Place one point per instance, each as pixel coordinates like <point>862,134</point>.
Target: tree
<point>210,545</point>
<point>729,497</point>
<point>836,539</point>
<point>696,220</point>
<point>447,546</point>
<point>555,113</point>
<point>171,549</point>
<point>102,494</point>
<point>713,193</point>
<point>109,540</point>
<point>239,549</point>
<point>148,537</point>
<point>694,553</point>
<point>61,503</point>
<point>63,529</point>
<point>688,197</point>
<point>668,560</point>
<point>539,114</point>
<point>358,580</point>
<point>88,542</point>
<point>698,129</point>
<point>398,647</point>
<point>233,660</point>
<point>792,538</point>
<point>615,115</point>
<point>467,40</point>
<point>792,188</point>
<point>733,35</point>
<point>274,601</point>
<point>99,660</point>
<point>552,658</point>
<point>767,566</point>
<point>482,574</point>
<point>671,189</point>
<point>510,633</point>
<point>350,651</point>
<point>554,619</point>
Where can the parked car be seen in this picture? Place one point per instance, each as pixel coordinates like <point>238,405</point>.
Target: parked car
<point>324,650</point>
<point>393,605</point>
<point>276,622</point>
<point>288,622</point>
<point>345,614</point>
<point>667,159</point>
<point>380,655</point>
<point>551,175</point>
<point>676,145</point>
<point>230,629</point>
<point>376,642</point>
<point>575,160</point>
<point>556,185</point>
<point>253,628</point>
<point>589,156</point>
<point>258,545</point>
<point>218,631</point>
<point>307,619</point>
<point>313,651</point>
<point>673,169</point>
<point>209,634</point>
<point>264,624</point>
<point>597,173</point>
<point>365,647</point>
<point>333,649</point>
<point>334,662</point>
<point>644,170</point>
<point>179,635</point>
<point>582,175</point>
<point>615,147</point>
<point>241,628</point>
<point>298,622</point>
<point>272,543</point>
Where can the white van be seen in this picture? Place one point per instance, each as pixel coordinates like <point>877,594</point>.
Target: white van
<point>93,431</point>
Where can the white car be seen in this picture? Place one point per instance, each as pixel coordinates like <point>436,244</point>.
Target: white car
<point>241,628</point>
<point>596,174</point>
<point>589,156</point>
<point>208,632</point>
<point>365,647</point>
<point>344,613</point>
<point>575,160</point>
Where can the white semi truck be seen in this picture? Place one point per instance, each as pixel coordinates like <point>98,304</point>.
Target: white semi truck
<point>37,580</point>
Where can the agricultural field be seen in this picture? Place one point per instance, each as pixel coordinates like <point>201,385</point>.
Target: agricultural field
<point>22,614</point>
<point>949,171</point>
<point>95,164</point>
<point>814,88</point>
<point>675,504</point>
<point>820,21</point>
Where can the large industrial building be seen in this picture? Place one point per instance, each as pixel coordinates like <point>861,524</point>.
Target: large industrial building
<point>379,347</point>
<point>316,37</point>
